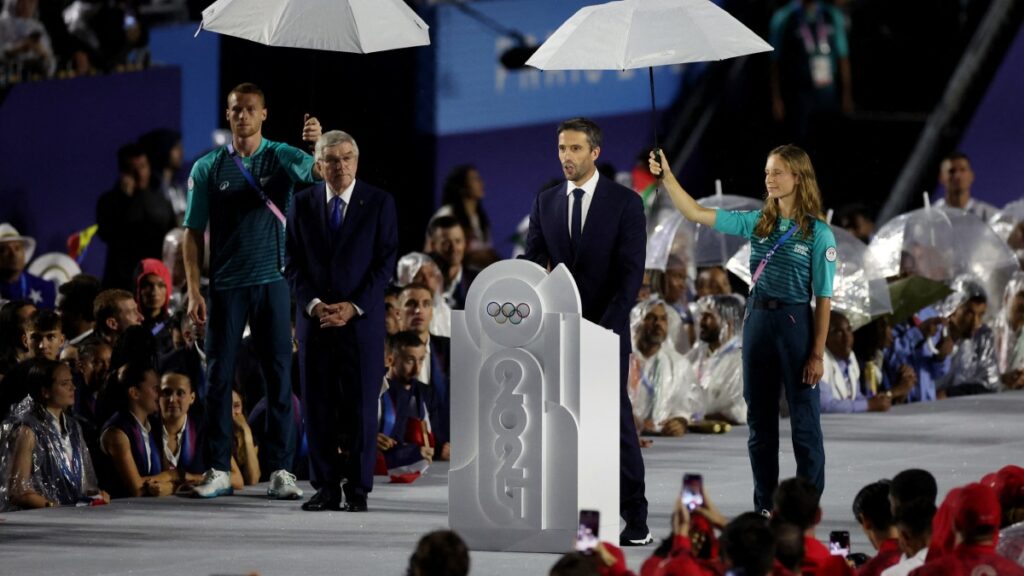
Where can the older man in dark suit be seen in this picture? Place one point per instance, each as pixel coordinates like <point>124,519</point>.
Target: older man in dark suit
<point>341,246</point>
<point>597,229</point>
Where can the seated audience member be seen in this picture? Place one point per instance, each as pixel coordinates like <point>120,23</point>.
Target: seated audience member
<point>133,218</point>
<point>15,321</point>
<point>44,460</point>
<point>392,311</point>
<point>604,560</point>
<point>797,502</point>
<point>46,335</point>
<point>448,242</point>
<point>24,41</point>
<point>15,283</point>
<point>243,451</point>
<point>712,281</point>
<point>857,220</point>
<point>1008,482</point>
<point>115,311</point>
<point>976,522</point>
<point>972,368</point>
<point>1009,332</point>
<point>912,496</point>
<point>659,391</point>
<point>873,511</point>
<point>840,384</point>
<point>924,344</point>
<point>179,436</point>
<point>873,345</point>
<point>129,441</point>
<point>94,367</point>
<point>76,300</point>
<point>190,359</point>
<point>418,268</point>
<point>440,553</point>
<point>417,307</point>
<point>152,294</point>
<point>789,548</point>
<point>672,286</point>
<point>716,361</point>
<point>408,409</point>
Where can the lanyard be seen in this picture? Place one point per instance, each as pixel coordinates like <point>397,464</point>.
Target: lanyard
<point>255,185</point>
<point>768,256</point>
<point>388,407</point>
<point>822,32</point>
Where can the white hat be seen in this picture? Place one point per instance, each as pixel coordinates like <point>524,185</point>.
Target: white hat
<point>9,233</point>
<point>56,267</point>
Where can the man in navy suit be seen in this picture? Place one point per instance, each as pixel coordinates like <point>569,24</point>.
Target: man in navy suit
<point>341,246</point>
<point>597,229</point>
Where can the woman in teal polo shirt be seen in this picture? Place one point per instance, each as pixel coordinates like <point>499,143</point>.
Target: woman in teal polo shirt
<point>792,259</point>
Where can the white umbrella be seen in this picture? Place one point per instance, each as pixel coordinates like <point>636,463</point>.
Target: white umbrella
<point>359,26</point>
<point>859,289</point>
<point>631,34</point>
<point>689,242</point>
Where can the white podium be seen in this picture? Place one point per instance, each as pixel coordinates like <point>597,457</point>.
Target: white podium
<point>534,413</point>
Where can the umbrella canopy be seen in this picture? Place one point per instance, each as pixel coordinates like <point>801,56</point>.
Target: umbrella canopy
<point>641,33</point>
<point>942,243</point>
<point>859,289</point>
<point>1004,221</point>
<point>913,293</point>
<point>678,237</point>
<point>359,26</point>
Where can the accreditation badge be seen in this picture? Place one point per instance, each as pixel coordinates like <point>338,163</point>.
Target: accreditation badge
<point>821,70</point>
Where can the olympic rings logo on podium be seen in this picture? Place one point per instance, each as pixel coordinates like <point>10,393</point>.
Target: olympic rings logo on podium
<point>508,312</point>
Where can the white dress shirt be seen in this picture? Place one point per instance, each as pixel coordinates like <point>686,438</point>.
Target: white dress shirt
<point>346,198</point>
<point>589,187</point>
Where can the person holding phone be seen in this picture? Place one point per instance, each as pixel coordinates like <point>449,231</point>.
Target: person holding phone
<point>793,258</point>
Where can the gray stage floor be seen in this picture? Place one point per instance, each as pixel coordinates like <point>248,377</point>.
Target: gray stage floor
<point>958,440</point>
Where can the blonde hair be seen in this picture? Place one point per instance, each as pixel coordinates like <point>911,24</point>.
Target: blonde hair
<point>807,206</point>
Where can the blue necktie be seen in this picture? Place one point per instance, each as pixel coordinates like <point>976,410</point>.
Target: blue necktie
<point>577,218</point>
<point>337,207</point>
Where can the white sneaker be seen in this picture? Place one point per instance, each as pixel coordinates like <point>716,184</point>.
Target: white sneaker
<point>215,483</point>
<point>282,486</point>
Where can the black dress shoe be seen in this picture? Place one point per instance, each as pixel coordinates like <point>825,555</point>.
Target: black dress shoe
<point>323,500</point>
<point>354,506</point>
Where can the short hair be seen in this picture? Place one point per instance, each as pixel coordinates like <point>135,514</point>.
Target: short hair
<point>575,564</point>
<point>90,348</point>
<point>872,503</point>
<point>748,543</point>
<point>796,502</point>
<point>392,290</point>
<point>125,155</point>
<point>105,306</point>
<point>416,286</point>
<point>177,377</point>
<point>442,223</point>
<point>956,155</point>
<point>333,138</point>
<point>915,517</point>
<point>249,88</point>
<point>440,553</point>
<point>40,376</point>
<point>129,376</point>
<point>789,546</point>
<point>78,295</point>
<point>588,127</point>
<point>847,214</point>
<point>137,345</point>
<point>404,339</point>
<point>44,320</point>
<point>913,485</point>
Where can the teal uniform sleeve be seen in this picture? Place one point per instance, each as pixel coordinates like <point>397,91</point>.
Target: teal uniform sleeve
<point>736,222</point>
<point>842,47</point>
<point>776,29</point>
<point>198,212</point>
<point>823,260</point>
<point>297,163</point>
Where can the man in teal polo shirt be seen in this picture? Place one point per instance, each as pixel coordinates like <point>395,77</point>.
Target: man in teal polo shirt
<point>242,191</point>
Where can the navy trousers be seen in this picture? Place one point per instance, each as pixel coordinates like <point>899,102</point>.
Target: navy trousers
<point>632,499</point>
<point>267,309</point>
<point>776,345</point>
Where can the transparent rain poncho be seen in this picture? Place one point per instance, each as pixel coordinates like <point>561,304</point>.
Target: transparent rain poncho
<point>61,467</point>
<point>657,386</point>
<point>717,378</point>
<point>420,267</point>
<point>1009,343</point>
<point>974,358</point>
<point>695,243</point>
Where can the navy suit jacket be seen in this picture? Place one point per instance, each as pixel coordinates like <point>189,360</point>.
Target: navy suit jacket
<point>354,266</point>
<point>609,265</point>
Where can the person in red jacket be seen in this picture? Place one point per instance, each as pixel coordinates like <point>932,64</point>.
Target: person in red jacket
<point>872,509</point>
<point>975,525</point>
<point>796,502</point>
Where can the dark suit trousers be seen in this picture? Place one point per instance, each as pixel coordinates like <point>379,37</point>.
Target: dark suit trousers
<point>267,308</point>
<point>340,410</point>
<point>632,501</point>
